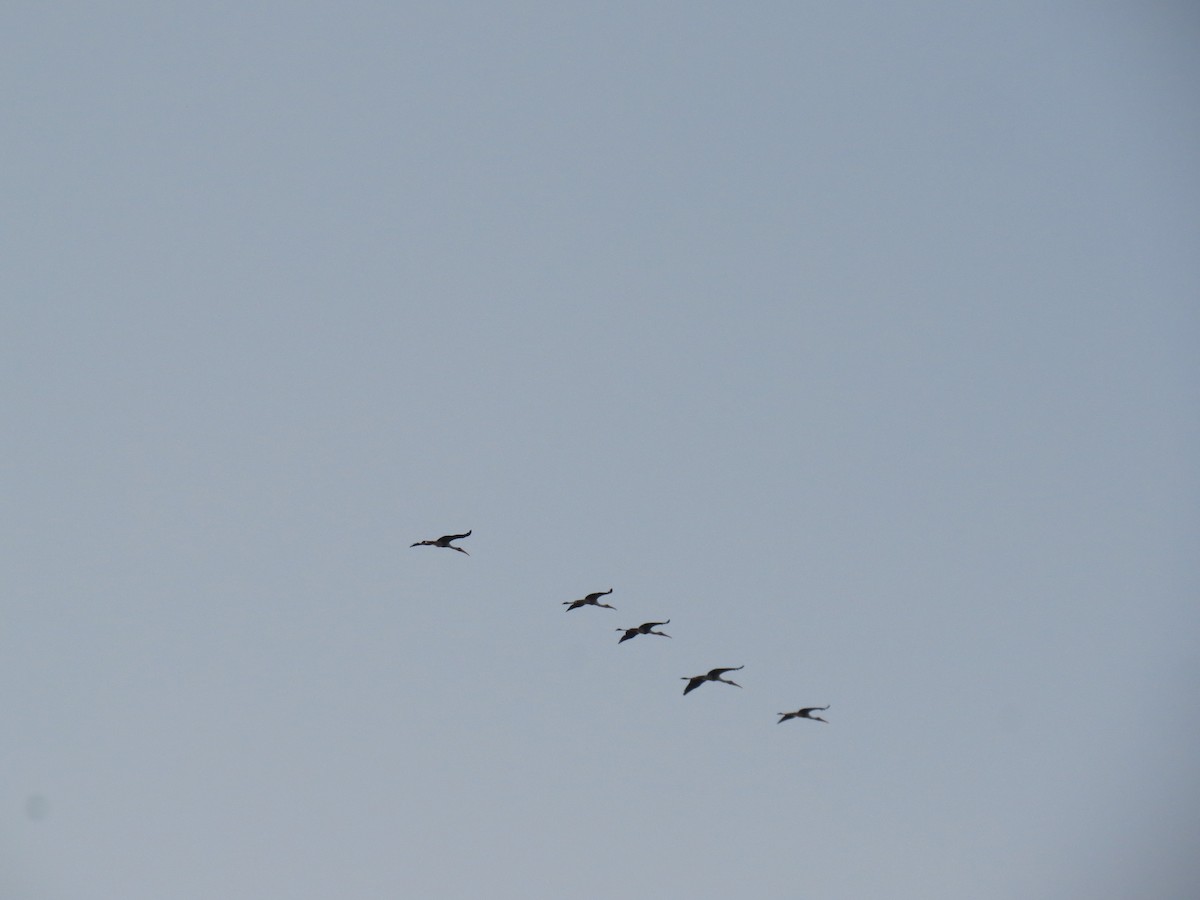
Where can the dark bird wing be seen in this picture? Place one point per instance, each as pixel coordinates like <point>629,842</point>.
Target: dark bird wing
<point>713,673</point>
<point>592,598</point>
<point>646,626</point>
<point>454,537</point>
<point>694,683</point>
<point>630,633</point>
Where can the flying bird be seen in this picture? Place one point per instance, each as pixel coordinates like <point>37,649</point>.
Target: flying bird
<point>806,713</point>
<point>589,600</point>
<point>644,628</point>
<point>714,675</point>
<point>444,541</point>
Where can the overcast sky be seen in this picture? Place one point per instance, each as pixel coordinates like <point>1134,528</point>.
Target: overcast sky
<point>857,339</point>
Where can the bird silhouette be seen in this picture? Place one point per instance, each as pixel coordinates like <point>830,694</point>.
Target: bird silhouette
<point>714,675</point>
<point>806,713</point>
<point>644,628</point>
<point>444,541</point>
<point>589,600</point>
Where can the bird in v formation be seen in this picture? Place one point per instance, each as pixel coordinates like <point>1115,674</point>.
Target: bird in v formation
<point>693,681</point>
<point>644,628</point>
<point>806,713</point>
<point>589,600</point>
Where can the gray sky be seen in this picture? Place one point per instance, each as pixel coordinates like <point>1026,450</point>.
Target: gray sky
<point>857,339</point>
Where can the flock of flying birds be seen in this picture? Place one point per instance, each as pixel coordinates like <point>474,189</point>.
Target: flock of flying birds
<point>693,681</point>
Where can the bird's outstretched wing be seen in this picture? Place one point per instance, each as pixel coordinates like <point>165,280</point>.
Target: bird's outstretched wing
<point>693,683</point>
<point>454,537</point>
<point>713,673</point>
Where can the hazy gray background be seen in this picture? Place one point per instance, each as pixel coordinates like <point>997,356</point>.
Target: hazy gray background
<point>858,339</point>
